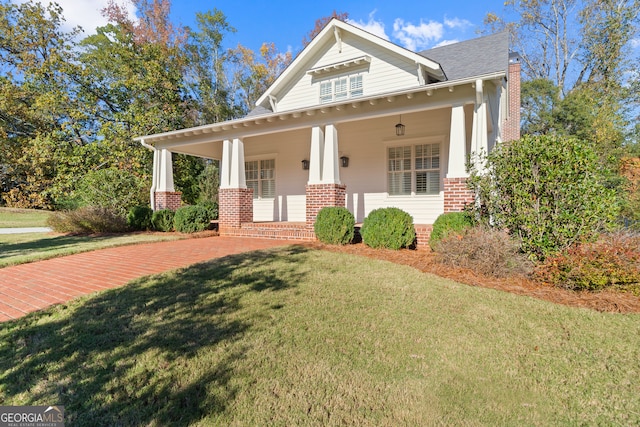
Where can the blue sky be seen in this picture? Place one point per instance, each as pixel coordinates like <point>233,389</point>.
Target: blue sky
<point>416,25</point>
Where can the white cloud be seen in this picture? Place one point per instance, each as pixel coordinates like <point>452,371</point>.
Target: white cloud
<point>458,23</point>
<point>85,13</point>
<point>372,26</point>
<point>635,43</point>
<point>417,37</point>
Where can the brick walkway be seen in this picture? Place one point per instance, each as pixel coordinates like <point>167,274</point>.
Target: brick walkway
<point>29,287</point>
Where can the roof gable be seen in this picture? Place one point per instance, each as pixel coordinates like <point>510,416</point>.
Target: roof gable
<point>312,61</point>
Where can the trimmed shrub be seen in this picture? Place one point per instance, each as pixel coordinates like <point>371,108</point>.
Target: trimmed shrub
<point>162,220</point>
<point>390,228</point>
<point>191,219</point>
<point>139,217</point>
<point>211,207</point>
<point>486,251</point>
<point>449,224</point>
<point>335,225</point>
<point>86,220</point>
<point>612,260</point>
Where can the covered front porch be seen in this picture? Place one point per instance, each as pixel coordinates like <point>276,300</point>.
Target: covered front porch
<point>279,169</point>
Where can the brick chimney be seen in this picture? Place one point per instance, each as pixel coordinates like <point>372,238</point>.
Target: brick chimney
<point>511,125</point>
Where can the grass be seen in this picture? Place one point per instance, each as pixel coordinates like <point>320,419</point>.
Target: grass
<point>10,218</point>
<point>300,337</point>
<point>29,247</point>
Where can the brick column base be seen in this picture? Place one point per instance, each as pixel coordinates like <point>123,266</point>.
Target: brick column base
<point>235,207</point>
<point>168,200</point>
<point>457,195</point>
<point>323,195</point>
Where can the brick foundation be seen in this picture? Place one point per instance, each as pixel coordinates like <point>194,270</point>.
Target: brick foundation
<point>168,200</point>
<point>235,207</point>
<point>456,194</point>
<point>323,195</point>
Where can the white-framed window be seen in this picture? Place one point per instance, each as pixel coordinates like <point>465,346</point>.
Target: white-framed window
<point>341,88</point>
<point>413,169</point>
<point>261,176</point>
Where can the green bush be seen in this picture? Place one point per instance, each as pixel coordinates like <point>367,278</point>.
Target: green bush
<point>211,207</point>
<point>139,217</point>
<point>448,224</point>
<point>549,191</point>
<point>191,219</point>
<point>335,226</point>
<point>612,260</point>
<point>114,189</point>
<point>88,219</point>
<point>390,228</point>
<point>162,220</point>
<point>486,251</point>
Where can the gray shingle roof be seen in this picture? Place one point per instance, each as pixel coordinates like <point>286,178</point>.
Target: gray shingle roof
<point>475,57</point>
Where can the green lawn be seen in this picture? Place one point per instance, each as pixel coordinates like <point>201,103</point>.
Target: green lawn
<point>10,218</point>
<point>29,247</point>
<point>301,337</point>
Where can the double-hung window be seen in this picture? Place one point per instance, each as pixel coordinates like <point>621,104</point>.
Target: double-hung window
<point>341,88</point>
<point>413,169</point>
<point>261,176</point>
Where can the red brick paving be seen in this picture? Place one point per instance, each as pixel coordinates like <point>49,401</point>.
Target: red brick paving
<point>29,287</point>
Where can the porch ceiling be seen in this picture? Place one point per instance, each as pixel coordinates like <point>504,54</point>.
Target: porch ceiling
<point>197,141</point>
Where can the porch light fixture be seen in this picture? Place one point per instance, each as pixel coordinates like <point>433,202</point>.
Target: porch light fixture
<point>344,161</point>
<point>305,164</point>
<point>400,127</point>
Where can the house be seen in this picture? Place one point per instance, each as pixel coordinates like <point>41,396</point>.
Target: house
<point>354,121</point>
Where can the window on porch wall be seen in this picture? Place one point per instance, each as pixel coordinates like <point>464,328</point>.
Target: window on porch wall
<point>261,177</point>
<point>414,169</point>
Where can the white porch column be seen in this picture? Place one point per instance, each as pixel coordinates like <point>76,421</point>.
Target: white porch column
<point>165,182</point>
<point>457,143</point>
<point>479,135</point>
<point>315,155</point>
<point>154,178</point>
<point>330,166</point>
<point>237,177</point>
<point>225,164</point>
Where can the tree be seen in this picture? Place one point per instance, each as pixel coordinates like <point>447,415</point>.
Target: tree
<point>252,77</point>
<point>39,118</point>
<point>321,23</point>
<point>207,69</point>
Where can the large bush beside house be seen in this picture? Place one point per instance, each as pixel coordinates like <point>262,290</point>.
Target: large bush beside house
<point>547,190</point>
<point>448,224</point>
<point>335,225</point>
<point>113,189</point>
<point>162,220</point>
<point>390,228</point>
<point>191,219</point>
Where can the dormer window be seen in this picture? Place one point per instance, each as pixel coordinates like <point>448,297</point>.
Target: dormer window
<point>341,88</point>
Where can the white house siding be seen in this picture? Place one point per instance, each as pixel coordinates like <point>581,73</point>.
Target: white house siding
<point>366,142</point>
<point>387,72</point>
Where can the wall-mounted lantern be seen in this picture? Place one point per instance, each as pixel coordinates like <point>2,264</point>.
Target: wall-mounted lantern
<point>305,164</point>
<point>344,161</point>
<point>400,128</point>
